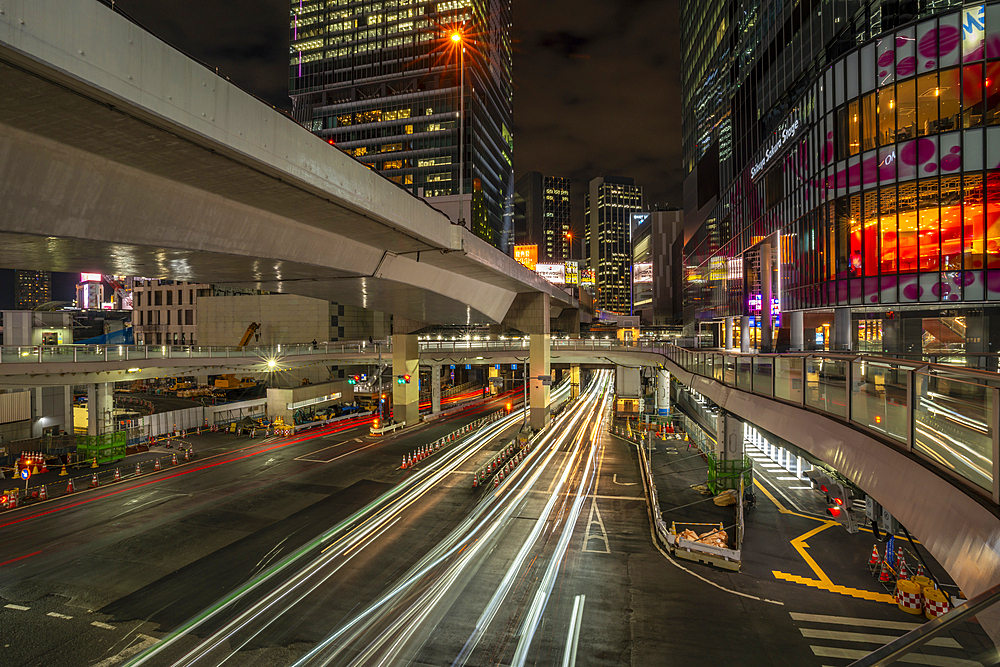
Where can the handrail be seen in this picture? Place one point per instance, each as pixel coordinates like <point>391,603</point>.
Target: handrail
<point>917,637</point>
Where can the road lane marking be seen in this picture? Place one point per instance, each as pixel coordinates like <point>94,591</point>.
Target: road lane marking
<point>573,638</point>
<point>57,615</point>
<point>103,626</point>
<point>305,457</point>
<point>614,478</point>
<point>866,638</point>
<point>859,622</point>
<point>595,517</point>
<point>16,606</point>
<point>834,588</point>
<point>145,641</point>
<point>917,659</point>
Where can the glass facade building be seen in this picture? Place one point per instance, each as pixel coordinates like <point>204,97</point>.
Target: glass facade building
<point>381,81</point>
<point>608,207</point>
<point>541,207</point>
<point>871,173</point>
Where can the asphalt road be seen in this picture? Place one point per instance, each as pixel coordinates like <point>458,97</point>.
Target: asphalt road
<point>318,549</point>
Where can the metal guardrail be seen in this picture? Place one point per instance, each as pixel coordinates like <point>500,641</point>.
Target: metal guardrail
<point>40,354</point>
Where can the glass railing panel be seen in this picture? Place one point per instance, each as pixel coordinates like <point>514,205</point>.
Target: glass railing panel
<point>879,397</point>
<point>156,351</point>
<point>763,368</point>
<point>58,354</point>
<point>729,372</point>
<point>953,424</point>
<point>89,353</point>
<point>718,366</point>
<point>826,385</point>
<point>13,354</point>
<point>201,351</point>
<point>115,353</point>
<point>788,378</point>
<point>744,373</point>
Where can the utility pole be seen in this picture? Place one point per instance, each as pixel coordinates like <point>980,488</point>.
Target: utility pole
<point>378,346</point>
<point>526,407</point>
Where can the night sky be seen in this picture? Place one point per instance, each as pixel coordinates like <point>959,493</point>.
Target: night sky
<point>597,84</point>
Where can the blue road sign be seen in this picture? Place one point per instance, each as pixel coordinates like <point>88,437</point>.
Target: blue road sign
<point>25,473</point>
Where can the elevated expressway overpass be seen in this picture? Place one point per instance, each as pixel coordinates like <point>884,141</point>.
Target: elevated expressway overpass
<point>922,439</point>
<point>121,155</point>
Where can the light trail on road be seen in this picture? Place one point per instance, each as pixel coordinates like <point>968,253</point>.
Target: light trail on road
<point>277,591</point>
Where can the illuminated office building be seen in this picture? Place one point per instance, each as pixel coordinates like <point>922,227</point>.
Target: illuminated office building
<point>657,240</point>
<point>843,159</point>
<point>541,207</point>
<point>32,288</point>
<point>608,207</point>
<point>381,81</point>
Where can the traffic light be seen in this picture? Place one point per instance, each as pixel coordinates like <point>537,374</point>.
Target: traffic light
<point>403,379</point>
<point>354,379</point>
<point>841,501</point>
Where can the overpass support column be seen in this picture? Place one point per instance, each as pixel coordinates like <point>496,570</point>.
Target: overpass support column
<point>663,391</point>
<point>100,407</point>
<point>745,334</point>
<point>841,329</point>
<point>435,389</point>
<point>730,323</point>
<point>405,361</point>
<point>796,331</point>
<point>539,392</point>
<point>574,380</point>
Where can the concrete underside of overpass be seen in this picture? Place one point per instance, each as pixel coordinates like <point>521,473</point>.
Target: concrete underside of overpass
<point>120,155</point>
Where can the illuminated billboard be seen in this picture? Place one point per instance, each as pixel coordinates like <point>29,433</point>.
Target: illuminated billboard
<point>572,273</point>
<point>554,273</point>
<point>526,255</point>
<point>642,272</point>
<point>91,277</point>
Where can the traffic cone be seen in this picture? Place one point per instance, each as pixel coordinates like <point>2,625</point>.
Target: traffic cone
<point>173,459</point>
<point>63,473</point>
<point>874,558</point>
<point>94,482</point>
<point>157,465</point>
<point>921,572</point>
<point>187,453</point>
<point>69,487</point>
<point>885,575</point>
<point>496,482</point>
<point>118,475</point>
<point>475,481</point>
<point>42,493</point>
<point>903,574</point>
<point>94,464</point>
<point>12,503</point>
<point>138,470</point>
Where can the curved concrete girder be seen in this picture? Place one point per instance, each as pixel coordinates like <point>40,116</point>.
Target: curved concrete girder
<point>159,227</point>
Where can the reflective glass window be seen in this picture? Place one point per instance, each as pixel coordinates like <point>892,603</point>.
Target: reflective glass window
<point>842,231</point>
<point>907,226</point>
<point>972,95</point>
<point>992,221</point>
<point>906,110</point>
<point>930,229</point>
<point>991,93</point>
<point>927,104</point>
<point>972,211</point>
<point>857,223</point>
<point>868,119</point>
<point>949,99</point>
<point>887,115</point>
<point>889,252</point>
<point>853,128</point>
<point>951,223</point>
<point>870,233</point>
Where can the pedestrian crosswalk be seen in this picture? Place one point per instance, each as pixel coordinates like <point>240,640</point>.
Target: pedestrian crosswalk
<point>847,638</point>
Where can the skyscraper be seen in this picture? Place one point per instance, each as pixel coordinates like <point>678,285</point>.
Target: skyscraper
<point>609,205</point>
<point>382,81</point>
<point>840,166</point>
<point>32,289</point>
<point>542,215</point>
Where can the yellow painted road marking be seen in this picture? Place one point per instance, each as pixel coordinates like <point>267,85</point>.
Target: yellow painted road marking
<point>799,543</point>
<point>834,588</point>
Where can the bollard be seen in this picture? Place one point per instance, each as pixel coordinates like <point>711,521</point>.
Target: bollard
<point>138,470</point>
<point>118,475</point>
<point>156,466</point>
<point>94,482</point>
<point>42,493</point>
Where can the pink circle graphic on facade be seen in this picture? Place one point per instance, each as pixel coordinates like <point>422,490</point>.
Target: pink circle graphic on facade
<point>917,152</point>
<point>912,292</point>
<point>886,58</point>
<point>906,66</point>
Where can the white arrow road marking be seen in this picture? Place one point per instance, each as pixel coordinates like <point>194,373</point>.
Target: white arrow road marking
<point>595,517</point>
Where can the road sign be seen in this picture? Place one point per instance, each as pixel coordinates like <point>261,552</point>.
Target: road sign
<point>513,367</point>
<point>25,473</point>
<point>546,381</point>
<point>496,366</point>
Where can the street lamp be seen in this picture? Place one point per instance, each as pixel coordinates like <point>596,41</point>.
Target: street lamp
<point>569,237</point>
<point>458,39</point>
